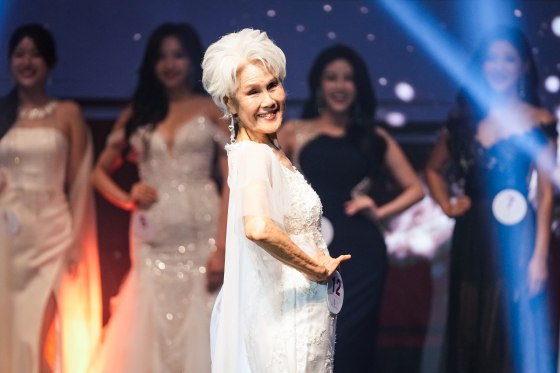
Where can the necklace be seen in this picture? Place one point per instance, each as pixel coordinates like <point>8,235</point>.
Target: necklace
<point>37,113</point>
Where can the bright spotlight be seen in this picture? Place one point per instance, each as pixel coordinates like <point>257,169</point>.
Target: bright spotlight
<point>552,84</point>
<point>556,26</point>
<point>395,119</point>
<point>404,91</point>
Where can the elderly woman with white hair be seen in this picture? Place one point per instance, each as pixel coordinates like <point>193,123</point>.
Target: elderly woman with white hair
<point>273,312</point>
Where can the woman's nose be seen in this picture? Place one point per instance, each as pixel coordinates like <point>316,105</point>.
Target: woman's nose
<point>268,101</point>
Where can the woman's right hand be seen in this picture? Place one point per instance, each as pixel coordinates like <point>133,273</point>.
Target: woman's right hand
<point>142,195</point>
<point>329,264</point>
<point>457,207</point>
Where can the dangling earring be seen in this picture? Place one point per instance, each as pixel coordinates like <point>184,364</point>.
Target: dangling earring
<point>231,128</point>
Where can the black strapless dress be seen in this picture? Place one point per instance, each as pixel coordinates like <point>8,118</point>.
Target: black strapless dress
<point>334,166</point>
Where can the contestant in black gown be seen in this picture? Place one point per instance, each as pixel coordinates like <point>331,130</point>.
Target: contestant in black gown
<point>340,152</point>
<point>497,313</point>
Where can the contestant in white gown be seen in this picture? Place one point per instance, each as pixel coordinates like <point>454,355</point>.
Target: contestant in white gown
<point>272,314</point>
<point>161,318</point>
<point>50,300</point>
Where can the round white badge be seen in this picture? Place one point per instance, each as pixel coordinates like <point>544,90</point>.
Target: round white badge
<point>143,227</point>
<point>327,229</point>
<point>11,220</point>
<point>335,293</point>
<point>509,207</point>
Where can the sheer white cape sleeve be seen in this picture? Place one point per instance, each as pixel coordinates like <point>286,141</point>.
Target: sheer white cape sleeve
<point>248,300</point>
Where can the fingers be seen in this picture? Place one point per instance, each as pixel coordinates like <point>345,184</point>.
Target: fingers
<point>358,204</point>
<point>334,263</point>
<point>343,258</point>
<point>535,286</point>
<point>536,283</point>
<point>143,195</point>
<point>458,206</point>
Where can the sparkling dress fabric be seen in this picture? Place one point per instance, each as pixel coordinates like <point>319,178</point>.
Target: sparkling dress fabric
<point>268,316</point>
<point>41,223</point>
<point>161,317</point>
<point>494,325</point>
<point>335,166</point>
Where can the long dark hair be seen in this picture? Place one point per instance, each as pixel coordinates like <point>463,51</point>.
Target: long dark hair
<point>472,105</point>
<point>150,101</point>
<point>362,112</point>
<point>46,46</point>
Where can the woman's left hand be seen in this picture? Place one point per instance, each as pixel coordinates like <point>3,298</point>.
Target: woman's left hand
<point>537,274</point>
<point>362,203</point>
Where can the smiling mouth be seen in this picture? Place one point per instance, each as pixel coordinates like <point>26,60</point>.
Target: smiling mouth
<point>27,73</point>
<point>268,115</point>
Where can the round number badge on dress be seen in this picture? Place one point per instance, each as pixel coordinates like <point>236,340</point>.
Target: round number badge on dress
<point>11,220</point>
<point>327,230</point>
<point>143,227</point>
<point>509,207</point>
<point>335,293</point>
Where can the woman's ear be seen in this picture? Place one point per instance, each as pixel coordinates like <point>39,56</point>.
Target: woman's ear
<point>230,104</point>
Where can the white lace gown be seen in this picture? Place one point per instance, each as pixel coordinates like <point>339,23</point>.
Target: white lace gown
<point>161,317</point>
<point>268,316</point>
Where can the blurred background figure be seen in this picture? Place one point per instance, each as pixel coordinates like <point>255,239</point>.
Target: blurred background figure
<point>495,137</point>
<point>52,297</point>
<point>340,152</point>
<point>161,317</point>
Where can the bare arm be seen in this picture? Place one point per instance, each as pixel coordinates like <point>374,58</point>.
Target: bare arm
<point>267,235</point>
<point>216,261</point>
<point>405,176</point>
<point>76,130</point>
<point>109,161</point>
<point>538,271</point>
<point>437,162</point>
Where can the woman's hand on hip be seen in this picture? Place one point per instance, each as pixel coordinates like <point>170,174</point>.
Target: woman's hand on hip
<point>362,203</point>
<point>457,206</point>
<point>329,264</point>
<point>142,195</point>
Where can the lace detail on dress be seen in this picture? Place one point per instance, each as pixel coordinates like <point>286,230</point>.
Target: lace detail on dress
<point>305,205</point>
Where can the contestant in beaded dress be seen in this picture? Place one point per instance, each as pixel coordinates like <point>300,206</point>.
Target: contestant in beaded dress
<point>161,316</point>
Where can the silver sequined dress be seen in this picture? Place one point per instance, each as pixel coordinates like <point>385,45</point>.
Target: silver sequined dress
<point>161,320</point>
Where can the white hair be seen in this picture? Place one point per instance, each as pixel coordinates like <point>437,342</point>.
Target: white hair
<point>224,57</point>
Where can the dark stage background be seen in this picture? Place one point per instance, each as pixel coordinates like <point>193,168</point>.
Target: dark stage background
<point>101,42</point>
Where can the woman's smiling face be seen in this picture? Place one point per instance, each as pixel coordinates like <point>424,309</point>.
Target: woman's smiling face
<point>503,67</point>
<point>259,101</point>
<point>337,86</point>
